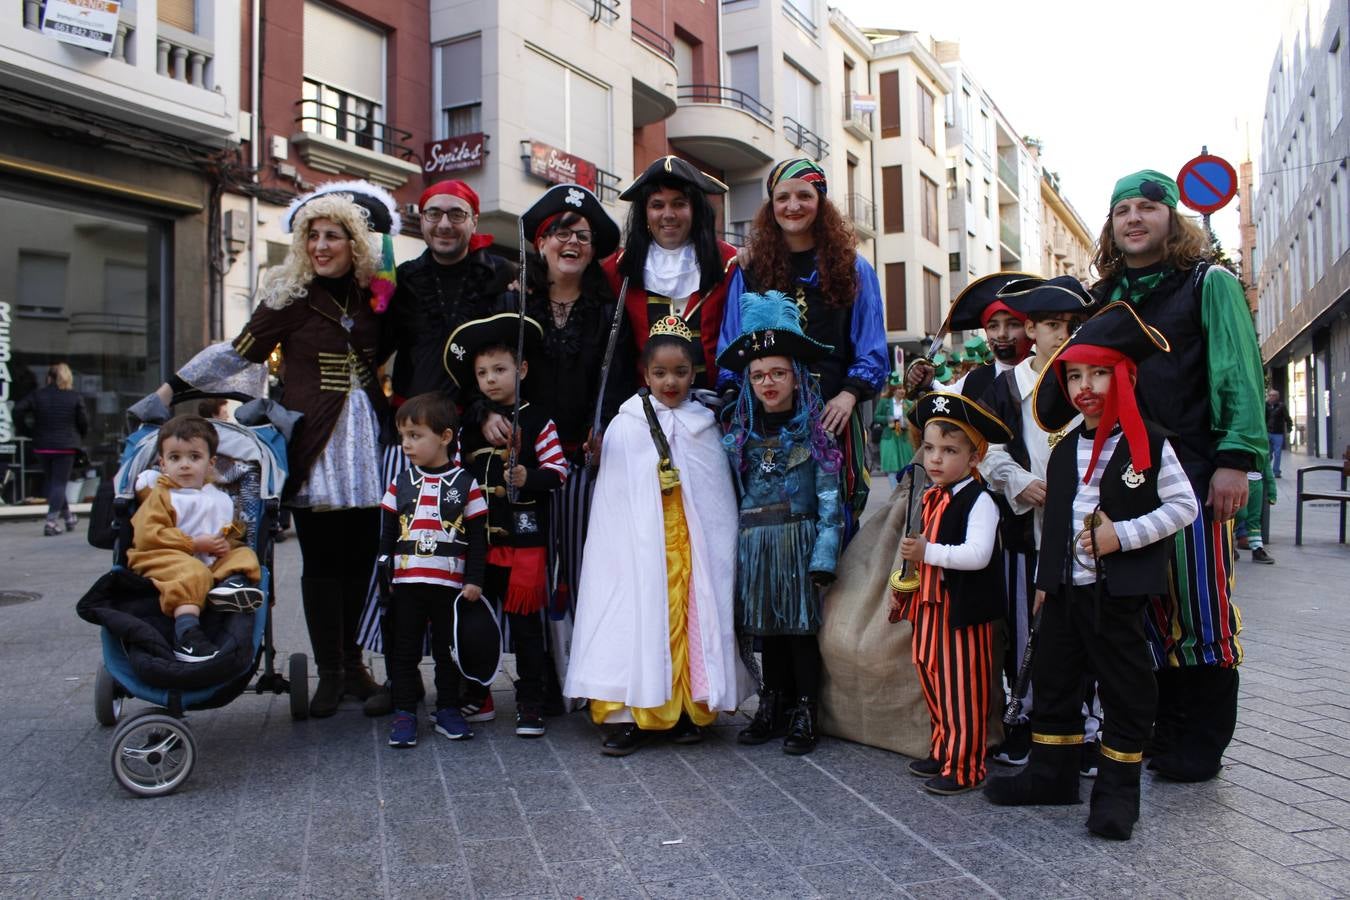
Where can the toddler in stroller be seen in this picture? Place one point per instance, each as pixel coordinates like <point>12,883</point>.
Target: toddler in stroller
<point>186,537</point>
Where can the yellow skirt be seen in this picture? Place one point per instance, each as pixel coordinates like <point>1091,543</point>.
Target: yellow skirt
<point>679,568</point>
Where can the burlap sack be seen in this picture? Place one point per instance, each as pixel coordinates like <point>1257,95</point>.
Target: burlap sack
<point>869,691</point>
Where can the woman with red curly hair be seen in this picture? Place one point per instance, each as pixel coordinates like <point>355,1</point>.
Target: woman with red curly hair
<point>802,246</point>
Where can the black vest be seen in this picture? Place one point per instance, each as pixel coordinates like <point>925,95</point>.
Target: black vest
<point>978,381</point>
<point>525,522</point>
<point>977,596</point>
<point>1173,388</point>
<point>1142,571</point>
<point>1019,532</point>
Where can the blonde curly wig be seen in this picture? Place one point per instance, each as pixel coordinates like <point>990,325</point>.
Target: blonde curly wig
<point>291,279</point>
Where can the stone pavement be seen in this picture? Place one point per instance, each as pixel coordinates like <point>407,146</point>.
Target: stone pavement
<point>325,809</point>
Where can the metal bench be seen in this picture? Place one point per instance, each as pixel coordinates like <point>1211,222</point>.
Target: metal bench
<point>1304,495</point>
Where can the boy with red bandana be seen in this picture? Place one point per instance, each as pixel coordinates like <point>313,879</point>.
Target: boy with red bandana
<point>1115,493</point>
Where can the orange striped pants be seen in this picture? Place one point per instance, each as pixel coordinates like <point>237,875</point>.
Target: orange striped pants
<point>955,667</point>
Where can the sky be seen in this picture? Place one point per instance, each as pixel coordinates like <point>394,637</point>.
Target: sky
<point>1111,88</point>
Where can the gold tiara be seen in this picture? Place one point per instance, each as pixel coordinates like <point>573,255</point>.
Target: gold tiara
<point>673,326</point>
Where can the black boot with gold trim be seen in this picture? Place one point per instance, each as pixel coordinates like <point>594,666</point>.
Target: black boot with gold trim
<point>1115,794</point>
<point>1050,778</point>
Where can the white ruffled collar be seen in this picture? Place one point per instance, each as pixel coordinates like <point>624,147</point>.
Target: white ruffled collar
<point>671,273</point>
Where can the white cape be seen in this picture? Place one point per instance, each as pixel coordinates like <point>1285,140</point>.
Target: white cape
<point>621,643</point>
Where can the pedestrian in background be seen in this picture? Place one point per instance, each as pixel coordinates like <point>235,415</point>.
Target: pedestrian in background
<point>58,433</point>
<point>1278,424</point>
<point>894,445</point>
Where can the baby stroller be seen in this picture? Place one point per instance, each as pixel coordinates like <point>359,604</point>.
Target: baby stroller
<point>154,752</point>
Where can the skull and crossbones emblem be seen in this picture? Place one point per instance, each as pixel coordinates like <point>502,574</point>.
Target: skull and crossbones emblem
<point>941,405</point>
<point>574,197</point>
<point>458,352</point>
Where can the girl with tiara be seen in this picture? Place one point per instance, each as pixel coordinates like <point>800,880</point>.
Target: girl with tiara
<point>791,523</point>
<point>654,647</point>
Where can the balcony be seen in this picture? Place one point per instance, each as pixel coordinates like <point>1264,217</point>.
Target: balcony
<point>863,214</point>
<point>333,138</point>
<point>155,76</point>
<point>1010,243</point>
<point>1007,180</point>
<point>801,17</point>
<point>805,139</point>
<point>725,127</point>
<point>858,124</point>
<point>654,76</point>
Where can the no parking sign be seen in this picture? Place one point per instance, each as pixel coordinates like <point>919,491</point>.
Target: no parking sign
<point>1208,183</point>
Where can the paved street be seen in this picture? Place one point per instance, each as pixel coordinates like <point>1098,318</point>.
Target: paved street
<point>324,808</point>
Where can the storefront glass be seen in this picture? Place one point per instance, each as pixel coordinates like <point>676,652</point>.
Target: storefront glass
<point>84,285</point>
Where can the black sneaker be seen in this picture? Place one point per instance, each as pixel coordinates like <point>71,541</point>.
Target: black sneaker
<point>235,594</point>
<point>529,723</point>
<point>1259,555</point>
<point>946,787</point>
<point>1016,747</point>
<point>194,646</point>
<point>1087,767</point>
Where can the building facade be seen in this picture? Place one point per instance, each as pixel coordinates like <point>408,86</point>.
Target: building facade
<point>1066,241</point>
<point>1302,251</point>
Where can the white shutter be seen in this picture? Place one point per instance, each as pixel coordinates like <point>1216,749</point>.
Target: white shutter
<point>545,99</point>
<point>462,72</point>
<point>589,132</point>
<point>343,53</point>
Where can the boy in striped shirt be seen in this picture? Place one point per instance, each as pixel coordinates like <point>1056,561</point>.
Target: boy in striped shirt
<point>433,544</point>
<point>1115,492</point>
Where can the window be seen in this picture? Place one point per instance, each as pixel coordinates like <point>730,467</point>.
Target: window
<point>744,200</point>
<point>567,109</point>
<point>986,133</point>
<point>892,199</point>
<point>743,71</point>
<point>803,14</point>
<point>799,97</point>
<point>684,62</point>
<point>42,284</point>
<point>178,13</point>
<point>988,192</point>
<point>932,301</point>
<point>930,208</point>
<point>970,183</point>
<point>344,77</point>
<point>897,305</point>
<point>889,89</point>
<point>954,262</point>
<point>1335,81</point>
<point>965,110</point>
<point>461,86</point>
<point>926,125</point>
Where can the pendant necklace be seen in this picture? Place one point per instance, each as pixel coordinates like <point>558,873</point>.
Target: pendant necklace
<point>346,321</point>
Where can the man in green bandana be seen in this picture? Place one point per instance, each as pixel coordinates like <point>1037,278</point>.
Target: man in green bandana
<point>1208,393</point>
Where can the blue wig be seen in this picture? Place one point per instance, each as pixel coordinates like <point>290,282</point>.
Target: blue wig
<point>804,428</point>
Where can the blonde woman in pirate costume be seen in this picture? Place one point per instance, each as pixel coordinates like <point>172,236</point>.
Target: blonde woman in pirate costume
<point>672,259</point>
<point>1207,393</point>
<point>323,307</point>
<point>655,646</point>
<point>803,247</point>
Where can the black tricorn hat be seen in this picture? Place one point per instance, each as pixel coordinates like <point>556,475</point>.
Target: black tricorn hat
<point>467,339</point>
<point>476,662</point>
<point>959,408</point>
<point>563,198</point>
<point>1061,294</point>
<point>1117,327</point>
<point>976,297</point>
<point>672,168</point>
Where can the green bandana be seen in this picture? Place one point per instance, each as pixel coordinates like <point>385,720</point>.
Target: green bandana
<point>1146,183</point>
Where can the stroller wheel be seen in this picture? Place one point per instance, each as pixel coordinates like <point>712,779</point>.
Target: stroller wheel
<point>299,677</point>
<point>107,697</point>
<point>153,754</point>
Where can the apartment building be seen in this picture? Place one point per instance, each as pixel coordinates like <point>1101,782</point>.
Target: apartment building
<point>850,115</point>
<point>1066,241</point>
<point>1302,212</point>
<point>113,123</point>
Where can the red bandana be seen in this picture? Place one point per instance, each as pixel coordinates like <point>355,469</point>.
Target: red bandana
<point>456,188</point>
<point>1120,405</point>
<point>999,306</point>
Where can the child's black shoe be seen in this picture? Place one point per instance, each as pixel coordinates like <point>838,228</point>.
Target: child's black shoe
<point>194,646</point>
<point>235,594</point>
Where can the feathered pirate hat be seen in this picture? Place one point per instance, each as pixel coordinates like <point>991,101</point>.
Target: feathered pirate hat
<point>1117,338</point>
<point>972,417</point>
<point>380,211</point>
<point>467,339</point>
<point>770,326</point>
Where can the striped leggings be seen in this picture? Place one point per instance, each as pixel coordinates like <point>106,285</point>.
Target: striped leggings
<point>955,667</point>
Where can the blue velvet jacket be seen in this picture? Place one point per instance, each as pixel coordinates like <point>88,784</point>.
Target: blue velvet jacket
<point>780,487</point>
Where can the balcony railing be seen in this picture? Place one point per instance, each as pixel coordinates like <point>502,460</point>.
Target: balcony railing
<point>735,238</point>
<point>606,186</point>
<point>804,138</point>
<point>862,212</point>
<point>725,96</point>
<point>645,34</point>
<point>605,11</point>
<point>1007,173</point>
<point>182,56</point>
<point>858,122</point>
<point>351,127</point>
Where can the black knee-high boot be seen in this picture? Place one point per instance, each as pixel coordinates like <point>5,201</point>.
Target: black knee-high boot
<point>323,602</point>
<point>1115,797</point>
<point>1050,778</point>
<point>1171,715</point>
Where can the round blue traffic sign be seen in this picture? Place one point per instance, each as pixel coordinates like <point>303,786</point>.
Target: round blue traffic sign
<point>1208,183</point>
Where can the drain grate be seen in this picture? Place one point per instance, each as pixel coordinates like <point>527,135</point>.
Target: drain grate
<point>14,598</point>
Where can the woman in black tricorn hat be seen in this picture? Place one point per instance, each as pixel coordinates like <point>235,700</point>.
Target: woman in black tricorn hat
<point>673,260</point>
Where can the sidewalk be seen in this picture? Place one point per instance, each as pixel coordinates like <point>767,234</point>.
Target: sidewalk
<point>325,809</point>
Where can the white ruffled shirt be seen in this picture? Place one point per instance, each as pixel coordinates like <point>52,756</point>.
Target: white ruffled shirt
<point>204,510</point>
<point>671,273</point>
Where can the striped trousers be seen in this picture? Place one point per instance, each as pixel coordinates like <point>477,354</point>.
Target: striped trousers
<point>1197,623</point>
<point>956,671</point>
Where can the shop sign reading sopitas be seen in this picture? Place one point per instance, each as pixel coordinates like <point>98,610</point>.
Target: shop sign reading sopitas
<point>558,167</point>
<point>454,154</point>
<point>85,23</point>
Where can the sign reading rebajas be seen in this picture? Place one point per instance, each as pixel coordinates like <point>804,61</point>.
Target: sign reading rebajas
<point>454,154</point>
<point>556,166</point>
<point>85,23</point>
